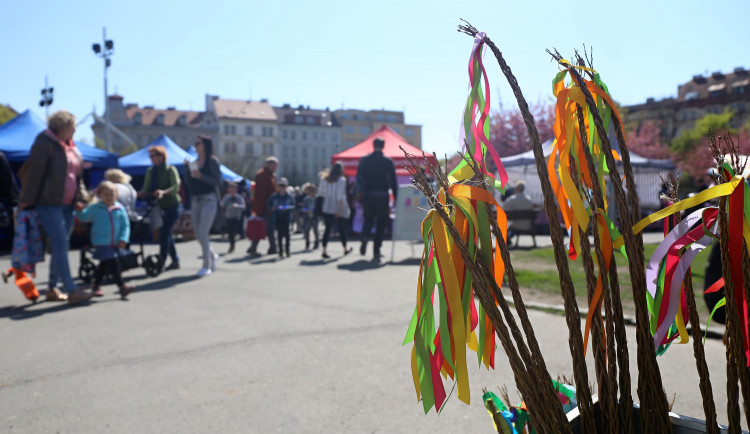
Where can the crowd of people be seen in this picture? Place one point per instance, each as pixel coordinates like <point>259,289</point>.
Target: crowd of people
<point>52,192</point>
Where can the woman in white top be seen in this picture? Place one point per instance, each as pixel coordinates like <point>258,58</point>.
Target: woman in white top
<point>335,206</point>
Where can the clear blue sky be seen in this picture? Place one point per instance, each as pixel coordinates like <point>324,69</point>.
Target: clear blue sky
<point>398,55</point>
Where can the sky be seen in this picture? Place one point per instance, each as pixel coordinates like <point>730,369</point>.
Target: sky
<point>394,55</point>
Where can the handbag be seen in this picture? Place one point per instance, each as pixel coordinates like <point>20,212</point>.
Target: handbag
<point>255,229</point>
<point>127,258</point>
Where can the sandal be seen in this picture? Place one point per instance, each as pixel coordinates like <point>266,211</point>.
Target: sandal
<point>54,294</point>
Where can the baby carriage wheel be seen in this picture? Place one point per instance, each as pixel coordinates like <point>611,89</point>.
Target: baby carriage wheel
<point>152,264</point>
<point>86,271</point>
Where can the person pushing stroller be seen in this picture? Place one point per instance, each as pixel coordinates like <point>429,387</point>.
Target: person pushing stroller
<point>110,233</point>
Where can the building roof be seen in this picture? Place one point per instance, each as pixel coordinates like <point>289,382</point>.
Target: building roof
<point>242,109</point>
<point>305,116</point>
<point>171,116</point>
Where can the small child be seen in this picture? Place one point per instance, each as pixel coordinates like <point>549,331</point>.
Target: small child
<point>309,219</point>
<point>110,232</point>
<point>233,205</point>
<point>281,205</point>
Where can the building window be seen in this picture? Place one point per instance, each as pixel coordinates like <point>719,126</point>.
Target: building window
<point>349,129</point>
<point>380,117</point>
<point>344,116</point>
<point>315,153</point>
<point>334,137</point>
<point>233,129</point>
<point>391,118</point>
<point>298,120</point>
<point>285,151</point>
<point>715,93</point>
<point>294,153</point>
<point>409,133</point>
<point>304,152</point>
<point>349,143</point>
<point>159,119</point>
<point>283,134</point>
<point>248,130</point>
<point>249,149</point>
<point>323,136</point>
<point>182,120</point>
<point>315,135</point>
<point>364,130</point>
<point>294,134</point>
<point>226,130</point>
<point>397,130</point>
<point>138,118</point>
<point>304,135</point>
<point>270,148</point>
<point>311,120</point>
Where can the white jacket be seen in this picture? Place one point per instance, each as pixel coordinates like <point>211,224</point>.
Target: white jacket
<point>334,194</point>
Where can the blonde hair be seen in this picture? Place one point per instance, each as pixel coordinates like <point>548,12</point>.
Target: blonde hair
<point>60,120</point>
<point>106,186</point>
<point>117,176</point>
<point>309,186</point>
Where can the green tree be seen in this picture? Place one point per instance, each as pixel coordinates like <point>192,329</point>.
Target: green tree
<point>688,140</point>
<point>6,113</point>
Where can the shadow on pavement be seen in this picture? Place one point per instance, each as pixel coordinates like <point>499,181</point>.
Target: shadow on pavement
<point>362,265</point>
<point>407,261</point>
<point>28,311</point>
<point>164,284</point>
<point>317,262</point>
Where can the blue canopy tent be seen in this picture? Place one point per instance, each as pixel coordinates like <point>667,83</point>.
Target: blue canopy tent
<point>138,162</point>
<point>226,173</point>
<point>18,134</point>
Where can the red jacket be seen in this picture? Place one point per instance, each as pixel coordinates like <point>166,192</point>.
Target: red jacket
<point>265,186</point>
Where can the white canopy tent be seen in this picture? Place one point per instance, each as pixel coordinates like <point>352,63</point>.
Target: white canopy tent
<point>646,171</point>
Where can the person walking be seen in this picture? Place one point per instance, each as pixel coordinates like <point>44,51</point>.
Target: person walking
<point>52,183</point>
<point>375,175</point>
<point>265,186</point>
<point>110,234</point>
<point>162,183</point>
<point>204,178</point>
<point>234,206</point>
<point>281,207</point>
<point>335,208</point>
<point>309,218</point>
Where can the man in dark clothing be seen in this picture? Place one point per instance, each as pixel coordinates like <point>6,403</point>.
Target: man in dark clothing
<point>8,186</point>
<point>375,175</point>
<point>265,186</point>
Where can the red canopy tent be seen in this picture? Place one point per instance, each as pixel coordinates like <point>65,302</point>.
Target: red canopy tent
<point>350,157</point>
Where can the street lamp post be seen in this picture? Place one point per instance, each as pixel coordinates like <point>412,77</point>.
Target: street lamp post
<point>105,52</point>
<point>47,97</point>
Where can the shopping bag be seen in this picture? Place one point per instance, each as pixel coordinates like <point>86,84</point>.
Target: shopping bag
<point>255,229</point>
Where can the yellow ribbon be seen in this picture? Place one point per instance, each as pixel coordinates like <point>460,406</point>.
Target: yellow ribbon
<point>704,196</point>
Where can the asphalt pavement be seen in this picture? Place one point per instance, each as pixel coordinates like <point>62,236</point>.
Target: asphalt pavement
<point>293,345</point>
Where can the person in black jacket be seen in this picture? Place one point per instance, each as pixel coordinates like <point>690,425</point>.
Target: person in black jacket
<point>8,186</point>
<point>375,175</point>
<point>204,178</point>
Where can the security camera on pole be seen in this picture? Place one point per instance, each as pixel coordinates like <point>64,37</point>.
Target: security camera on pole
<point>47,97</point>
<point>105,53</point>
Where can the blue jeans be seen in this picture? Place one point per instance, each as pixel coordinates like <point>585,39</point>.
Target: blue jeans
<point>57,221</point>
<point>166,240</point>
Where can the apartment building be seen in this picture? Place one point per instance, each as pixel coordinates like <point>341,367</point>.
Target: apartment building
<point>141,125</point>
<point>356,125</point>
<point>247,132</point>
<point>307,140</point>
<point>696,98</point>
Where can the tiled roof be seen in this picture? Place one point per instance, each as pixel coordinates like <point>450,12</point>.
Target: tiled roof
<point>241,109</point>
<point>148,114</point>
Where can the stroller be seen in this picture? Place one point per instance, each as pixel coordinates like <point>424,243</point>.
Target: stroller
<point>128,258</point>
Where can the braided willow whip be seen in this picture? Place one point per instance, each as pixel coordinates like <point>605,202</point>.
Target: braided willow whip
<point>545,418</point>
<point>572,317</point>
<point>615,332</point>
<point>709,408</point>
<point>654,406</point>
